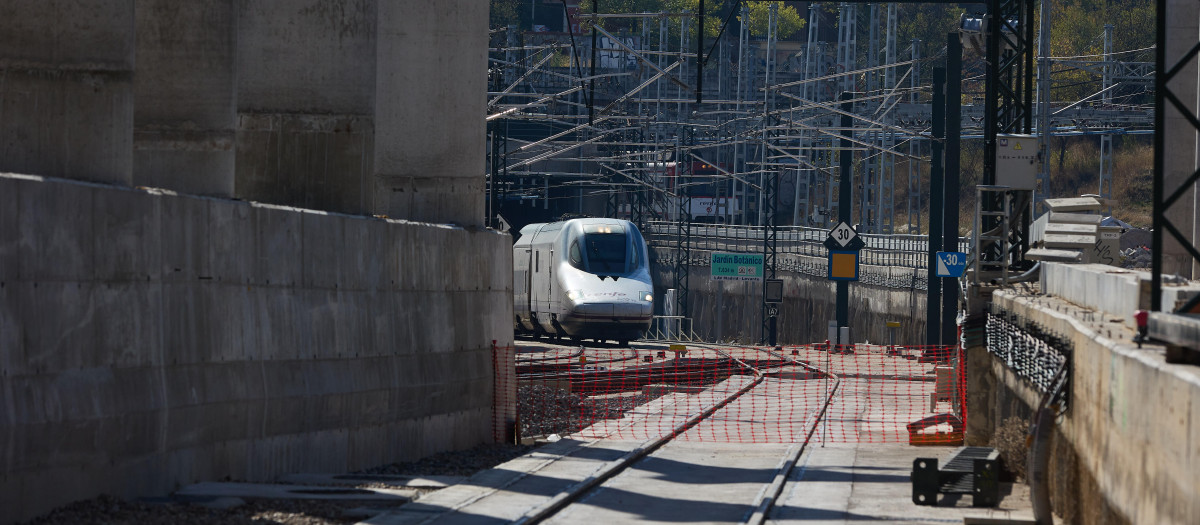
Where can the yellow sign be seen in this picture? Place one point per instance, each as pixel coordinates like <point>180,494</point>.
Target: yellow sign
<point>1017,146</point>
<point>893,324</point>
<point>843,266</point>
<point>678,348</point>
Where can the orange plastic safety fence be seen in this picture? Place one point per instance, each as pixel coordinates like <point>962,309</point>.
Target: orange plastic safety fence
<point>843,394</point>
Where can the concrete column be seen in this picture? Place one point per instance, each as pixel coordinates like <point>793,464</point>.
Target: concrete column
<point>66,92</point>
<point>305,102</point>
<point>429,150</point>
<point>1181,141</point>
<point>186,98</point>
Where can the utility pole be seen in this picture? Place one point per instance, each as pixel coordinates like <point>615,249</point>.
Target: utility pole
<point>914,172</point>
<point>1106,147</point>
<point>1042,185</point>
<point>951,188</point>
<point>933,303</point>
<point>845,201</point>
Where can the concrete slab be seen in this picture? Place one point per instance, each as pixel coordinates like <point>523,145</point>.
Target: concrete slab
<point>863,483</point>
<point>688,482</point>
<point>270,491</point>
<point>409,482</point>
<point>504,493</point>
<point>1075,204</point>
<point>1043,254</point>
<point>1076,218</point>
<point>1053,240</point>
<point>1177,329</point>
<point>1084,229</point>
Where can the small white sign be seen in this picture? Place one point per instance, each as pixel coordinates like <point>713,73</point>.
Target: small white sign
<point>842,234</point>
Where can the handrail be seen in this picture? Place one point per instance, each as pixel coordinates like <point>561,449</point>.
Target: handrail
<point>902,250</point>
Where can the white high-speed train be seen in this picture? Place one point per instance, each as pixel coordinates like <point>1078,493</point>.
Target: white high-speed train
<point>583,279</point>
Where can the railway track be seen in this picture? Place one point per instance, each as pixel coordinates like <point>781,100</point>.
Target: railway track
<point>593,497</point>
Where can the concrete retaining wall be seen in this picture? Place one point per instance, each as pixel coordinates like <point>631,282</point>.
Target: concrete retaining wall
<point>67,97</point>
<point>1128,448</point>
<point>731,310</point>
<point>149,339</point>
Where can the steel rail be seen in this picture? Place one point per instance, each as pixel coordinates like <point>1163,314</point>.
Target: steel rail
<point>763,502</point>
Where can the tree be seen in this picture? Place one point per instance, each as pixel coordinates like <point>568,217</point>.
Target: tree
<point>788,20</point>
<point>504,13</point>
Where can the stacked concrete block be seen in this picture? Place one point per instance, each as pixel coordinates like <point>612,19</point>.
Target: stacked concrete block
<point>1071,232</point>
<point>67,100</point>
<point>426,166</point>
<point>185,92</point>
<point>305,103</point>
<point>1100,287</point>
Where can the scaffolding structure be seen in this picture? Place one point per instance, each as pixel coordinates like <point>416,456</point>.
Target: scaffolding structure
<point>612,123</point>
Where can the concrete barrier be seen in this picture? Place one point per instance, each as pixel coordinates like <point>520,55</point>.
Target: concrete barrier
<point>1127,444</point>
<point>150,340</point>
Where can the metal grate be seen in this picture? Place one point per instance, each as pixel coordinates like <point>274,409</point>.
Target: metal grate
<point>1030,350</point>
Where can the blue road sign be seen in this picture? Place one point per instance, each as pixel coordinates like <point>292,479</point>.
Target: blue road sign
<point>951,264</point>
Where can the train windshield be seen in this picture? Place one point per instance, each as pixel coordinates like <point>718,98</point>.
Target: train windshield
<point>602,250</point>
<point>605,252</point>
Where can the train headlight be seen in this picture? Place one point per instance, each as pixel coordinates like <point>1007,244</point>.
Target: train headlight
<point>574,295</point>
<point>647,296</point>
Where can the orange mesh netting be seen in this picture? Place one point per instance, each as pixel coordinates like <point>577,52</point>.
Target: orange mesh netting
<point>852,394</point>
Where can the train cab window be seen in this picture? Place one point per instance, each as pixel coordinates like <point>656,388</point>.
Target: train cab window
<point>605,252</point>
<point>574,255</point>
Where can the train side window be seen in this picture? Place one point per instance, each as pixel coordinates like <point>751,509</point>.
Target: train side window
<point>639,250</point>
<point>574,256</point>
<point>635,256</point>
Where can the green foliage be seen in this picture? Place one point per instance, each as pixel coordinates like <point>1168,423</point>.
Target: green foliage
<point>715,11</point>
<point>504,13</point>
<point>788,20</point>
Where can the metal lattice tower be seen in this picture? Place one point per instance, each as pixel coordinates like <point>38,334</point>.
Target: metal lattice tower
<point>814,53</point>
<point>770,246</point>
<point>1106,147</point>
<point>869,198</point>
<point>914,171</point>
<point>1008,109</point>
<point>683,254</point>
<point>811,54</point>
<point>768,98</point>
<point>887,181</point>
<point>847,45</point>
<point>802,207</point>
<point>846,60</point>
<point>743,86</point>
<point>1042,186</point>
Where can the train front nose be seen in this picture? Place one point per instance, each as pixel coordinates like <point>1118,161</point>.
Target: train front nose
<point>621,316</point>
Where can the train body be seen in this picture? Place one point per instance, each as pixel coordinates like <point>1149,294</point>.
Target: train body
<point>583,279</point>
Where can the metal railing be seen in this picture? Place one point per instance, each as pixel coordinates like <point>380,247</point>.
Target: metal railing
<point>908,251</point>
<point>671,328</point>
